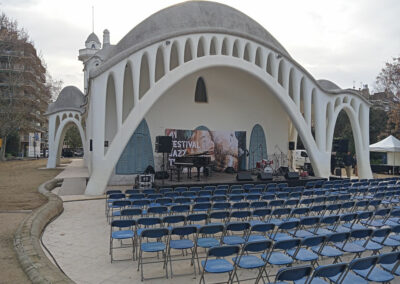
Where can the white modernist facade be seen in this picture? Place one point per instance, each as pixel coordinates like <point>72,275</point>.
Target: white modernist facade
<point>145,84</point>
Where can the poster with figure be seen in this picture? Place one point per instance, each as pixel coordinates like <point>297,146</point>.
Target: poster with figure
<point>225,148</point>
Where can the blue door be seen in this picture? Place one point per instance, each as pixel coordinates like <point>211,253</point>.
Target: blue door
<point>138,153</point>
<point>258,146</point>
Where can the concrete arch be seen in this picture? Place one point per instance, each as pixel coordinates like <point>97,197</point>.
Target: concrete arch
<point>174,56</point>
<point>127,93</point>
<point>160,67</point>
<point>201,47</point>
<point>259,57</point>
<point>362,152</point>
<point>214,46</point>
<point>111,120</point>
<point>224,47</point>
<point>188,54</point>
<point>55,146</point>
<point>144,78</point>
<point>102,173</point>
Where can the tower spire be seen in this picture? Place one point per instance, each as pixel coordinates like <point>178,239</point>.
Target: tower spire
<point>92,19</point>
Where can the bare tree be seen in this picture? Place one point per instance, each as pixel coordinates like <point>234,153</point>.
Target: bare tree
<point>388,81</point>
<point>24,95</point>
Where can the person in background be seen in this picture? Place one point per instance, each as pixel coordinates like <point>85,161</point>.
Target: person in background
<point>333,163</point>
<point>348,162</point>
<point>355,170</point>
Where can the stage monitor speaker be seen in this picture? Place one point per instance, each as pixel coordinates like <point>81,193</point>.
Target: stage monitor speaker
<point>244,176</point>
<point>163,144</point>
<point>291,145</point>
<point>283,171</point>
<point>264,176</point>
<point>162,175</point>
<point>292,175</point>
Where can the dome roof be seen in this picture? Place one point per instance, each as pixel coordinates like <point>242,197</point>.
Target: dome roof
<point>328,85</point>
<point>70,98</point>
<point>92,37</point>
<point>195,17</point>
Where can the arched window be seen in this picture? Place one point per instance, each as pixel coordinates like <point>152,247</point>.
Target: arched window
<point>200,95</point>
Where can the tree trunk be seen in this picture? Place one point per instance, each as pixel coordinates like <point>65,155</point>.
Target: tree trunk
<point>3,149</point>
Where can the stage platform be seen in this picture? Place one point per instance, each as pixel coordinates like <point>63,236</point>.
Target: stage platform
<point>217,178</point>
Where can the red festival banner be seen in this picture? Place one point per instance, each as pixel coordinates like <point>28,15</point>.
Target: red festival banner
<point>225,148</point>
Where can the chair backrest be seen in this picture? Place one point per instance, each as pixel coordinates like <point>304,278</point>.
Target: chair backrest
<point>287,244</point>
<point>381,233</point>
<point>219,215</point>
<point>263,228</point>
<point>338,237</point>
<point>136,196</point>
<point>184,230</point>
<point>329,270</point>
<point>389,258</point>
<point>218,198</point>
<point>223,251</point>
<point>183,200</point>
<point>288,225</point>
<point>259,204</point>
<point>123,223</point>
<point>221,205</point>
<point>313,241</point>
<point>211,229</point>
<point>180,208</point>
<point>309,221</point>
<point>116,196</point>
<point>131,212</point>
<point>294,273</point>
<point>261,212</point>
<point>363,263</point>
<point>157,210</point>
<point>361,233</point>
<point>257,246</point>
<point>202,199</point>
<point>329,219</point>
<point>149,221</point>
<point>237,226</point>
<point>197,217</point>
<point>173,219</point>
<point>154,233</point>
<point>382,212</point>
<point>240,214</point>
<point>121,203</point>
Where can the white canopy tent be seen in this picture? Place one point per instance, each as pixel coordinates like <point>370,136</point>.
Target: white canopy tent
<point>390,145</point>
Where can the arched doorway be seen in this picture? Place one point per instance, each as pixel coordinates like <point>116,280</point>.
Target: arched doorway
<point>138,153</point>
<point>258,146</point>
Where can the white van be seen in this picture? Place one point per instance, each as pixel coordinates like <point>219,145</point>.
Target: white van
<point>300,158</point>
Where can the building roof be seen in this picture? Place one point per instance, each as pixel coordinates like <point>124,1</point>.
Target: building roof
<point>92,37</point>
<point>195,17</point>
<point>70,98</point>
<point>328,85</point>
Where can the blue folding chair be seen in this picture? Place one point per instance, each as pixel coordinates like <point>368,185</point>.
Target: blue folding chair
<point>122,230</point>
<point>328,249</point>
<point>158,246</point>
<point>324,223</point>
<point>116,207</point>
<point>390,264</point>
<point>234,227</point>
<point>184,243</point>
<point>130,213</point>
<point>171,220</point>
<point>247,259</point>
<point>194,218</point>
<point>285,230</point>
<point>201,207</point>
<point>302,253</point>
<point>243,215</point>
<point>278,255</point>
<point>306,226</point>
<point>260,215</point>
<point>259,232</point>
<point>356,266</point>
<point>215,262</point>
<point>377,274</point>
<point>293,274</point>
<point>221,216</point>
<point>325,271</point>
<point>351,245</point>
<point>279,215</point>
<point>157,210</point>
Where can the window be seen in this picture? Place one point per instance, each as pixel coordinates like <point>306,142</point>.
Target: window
<point>200,95</point>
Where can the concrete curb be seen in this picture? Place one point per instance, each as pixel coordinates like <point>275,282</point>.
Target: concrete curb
<point>33,260</point>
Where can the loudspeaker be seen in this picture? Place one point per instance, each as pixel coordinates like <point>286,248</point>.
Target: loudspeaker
<point>264,176</point>
<point>244,176</point>
<point>292,175</point>
<point>162,175</point>
<point>163,144</point>
<point>291,145</point>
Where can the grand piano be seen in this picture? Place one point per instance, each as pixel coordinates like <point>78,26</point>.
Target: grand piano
<point>189,161</point>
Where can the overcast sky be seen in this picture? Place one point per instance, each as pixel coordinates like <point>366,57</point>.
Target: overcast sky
<point>343,41</point>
